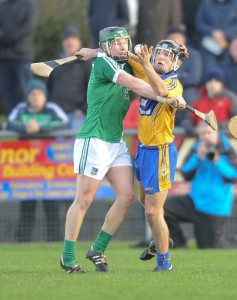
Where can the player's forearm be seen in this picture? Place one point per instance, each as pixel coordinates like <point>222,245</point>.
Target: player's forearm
<point>155,81</point>
<point>88,53</point>
<point>138,86</point>
<point>142,88</point>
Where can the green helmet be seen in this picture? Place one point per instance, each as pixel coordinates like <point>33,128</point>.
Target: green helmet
<point>110,34</point>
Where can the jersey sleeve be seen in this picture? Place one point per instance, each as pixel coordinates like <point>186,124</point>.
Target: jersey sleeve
<point>174,87</point>
<point>106,68</point>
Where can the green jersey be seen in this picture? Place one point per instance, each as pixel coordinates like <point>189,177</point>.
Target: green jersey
<point>108,102</point>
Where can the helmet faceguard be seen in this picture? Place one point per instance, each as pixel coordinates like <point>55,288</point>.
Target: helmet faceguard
<point>173,48</point>
<point>111,34</point>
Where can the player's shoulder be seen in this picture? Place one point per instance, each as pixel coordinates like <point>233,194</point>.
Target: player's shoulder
<point>106,61</point>
<point>170,76</point>
<point>171,79</point>
<point>173,84</point>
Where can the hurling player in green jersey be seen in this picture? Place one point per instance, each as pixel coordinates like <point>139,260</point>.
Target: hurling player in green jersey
<point>99,149</point>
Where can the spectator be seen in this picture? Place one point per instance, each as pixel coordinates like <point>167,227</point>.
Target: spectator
<point>67,84</point>
<point>105,13</point>
<point>154,19</point>
<point>229,67</point>
<point>190,72</point>
<point>216,98</point>
<point>217,29</point>
<point>29,117</point>
<point>36,115</point>
<point>211,170</point>
<point>18,21</point>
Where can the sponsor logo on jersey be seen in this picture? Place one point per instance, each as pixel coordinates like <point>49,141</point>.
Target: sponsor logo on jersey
<point>94,171</point>
<point>146,106</point>
<point>145,112</point>
<point>126,94</point>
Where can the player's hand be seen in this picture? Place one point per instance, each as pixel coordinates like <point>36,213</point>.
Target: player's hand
<point>86,53</point>
<point>185,51</point>
<point>177,102</point>
<point>183,48</point>
<point>145,55</point>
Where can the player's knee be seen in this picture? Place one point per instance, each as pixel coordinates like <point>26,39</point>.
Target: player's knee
<point>128,198</point>
<point>83,203</point>
<point>152,214</point>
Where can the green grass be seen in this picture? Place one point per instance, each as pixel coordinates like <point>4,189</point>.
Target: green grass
<point>31,271</point>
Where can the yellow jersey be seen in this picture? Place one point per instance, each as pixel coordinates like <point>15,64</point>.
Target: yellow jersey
<point>156,120</point>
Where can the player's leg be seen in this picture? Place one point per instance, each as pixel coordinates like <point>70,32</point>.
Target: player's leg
<point>120,176</point>
<point>121,179</point>
<point>156,180</point>
<point>151,251</point>
<point>89,165</point>
<point>86,190</point>
<point>155,216</point>
<point>141,193</point>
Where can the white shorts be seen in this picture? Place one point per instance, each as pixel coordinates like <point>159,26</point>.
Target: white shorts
<point>94,157</point>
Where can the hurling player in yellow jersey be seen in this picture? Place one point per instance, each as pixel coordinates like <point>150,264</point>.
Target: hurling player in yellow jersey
<point>156,157</point>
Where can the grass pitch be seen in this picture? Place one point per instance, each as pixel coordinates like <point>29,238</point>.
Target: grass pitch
<point>31,271</point>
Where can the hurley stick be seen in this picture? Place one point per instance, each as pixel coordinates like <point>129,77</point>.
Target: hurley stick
<point>45,68</point>
<point>209,118</point>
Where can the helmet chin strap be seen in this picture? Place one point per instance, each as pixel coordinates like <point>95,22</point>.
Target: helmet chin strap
<point>118,59</point>
<point>176,64</point>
